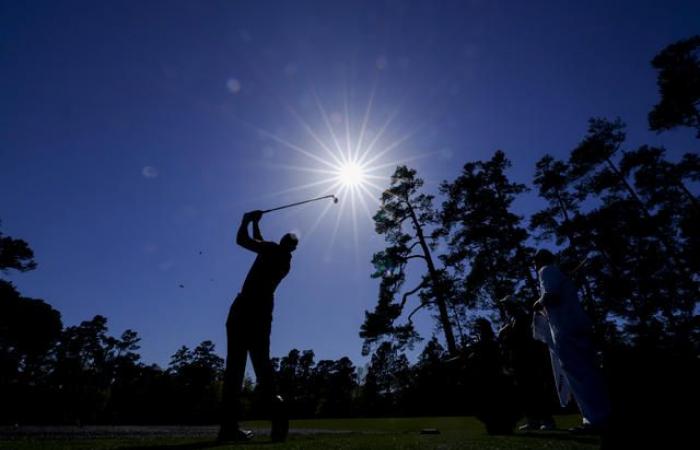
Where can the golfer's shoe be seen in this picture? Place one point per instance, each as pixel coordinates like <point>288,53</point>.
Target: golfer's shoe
<point>235,435</point>
<point>280,420</point>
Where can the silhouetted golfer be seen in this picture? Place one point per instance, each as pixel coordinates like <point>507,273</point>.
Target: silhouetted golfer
<point>248,329</point>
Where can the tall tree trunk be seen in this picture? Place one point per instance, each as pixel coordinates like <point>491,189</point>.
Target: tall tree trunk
<point>437,285</point>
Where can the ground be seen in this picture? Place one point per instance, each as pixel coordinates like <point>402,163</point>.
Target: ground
<point>403,433</point>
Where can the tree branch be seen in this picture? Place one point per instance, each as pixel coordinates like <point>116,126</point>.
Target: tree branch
<point>417,308</point>
<point>406,258</point>
<point>413,246</point>
<point>405,296</point>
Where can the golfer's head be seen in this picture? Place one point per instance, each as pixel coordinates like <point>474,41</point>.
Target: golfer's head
<point>543,257</point>
<point>289,242</point>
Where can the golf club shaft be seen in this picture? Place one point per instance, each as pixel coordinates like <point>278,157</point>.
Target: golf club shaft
<point>298,203</point>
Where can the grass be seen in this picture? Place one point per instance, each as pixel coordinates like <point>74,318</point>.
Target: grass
<point>401,433</point>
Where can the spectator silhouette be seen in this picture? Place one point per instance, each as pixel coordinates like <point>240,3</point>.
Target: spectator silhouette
<point>529,361</point>
<point>248,330</point>
<point>493,393</point>
<point>573,343</point>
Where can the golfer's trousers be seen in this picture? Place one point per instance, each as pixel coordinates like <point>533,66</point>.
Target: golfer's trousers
<point>247,333</point>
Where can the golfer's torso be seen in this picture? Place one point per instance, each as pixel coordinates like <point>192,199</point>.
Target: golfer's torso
<point>268,270</point>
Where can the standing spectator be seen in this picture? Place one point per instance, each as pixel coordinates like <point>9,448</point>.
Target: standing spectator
<point>572,342</point>
<point>527,359</point>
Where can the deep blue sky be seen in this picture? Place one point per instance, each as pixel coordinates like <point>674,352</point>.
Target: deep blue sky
<point>130,137</point>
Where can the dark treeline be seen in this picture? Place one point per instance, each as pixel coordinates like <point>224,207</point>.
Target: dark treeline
<point>624,224</point>
<point>624,221</point>
<point>83,375</point>
<point>50,374</point>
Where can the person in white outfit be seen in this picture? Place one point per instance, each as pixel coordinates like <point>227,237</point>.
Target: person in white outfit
<point>571,333</point>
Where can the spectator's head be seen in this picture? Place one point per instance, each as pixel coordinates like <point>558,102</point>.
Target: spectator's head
<point>483,329</point>
<point>543,257</point>
<point>289,242</point>
<point>510,306</point>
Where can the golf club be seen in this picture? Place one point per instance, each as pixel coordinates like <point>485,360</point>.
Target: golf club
<point>335,200</point>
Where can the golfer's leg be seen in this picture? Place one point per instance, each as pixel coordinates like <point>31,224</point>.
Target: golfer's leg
<point>274,405</point>
<point>233,375</point>
<point>260,357</point>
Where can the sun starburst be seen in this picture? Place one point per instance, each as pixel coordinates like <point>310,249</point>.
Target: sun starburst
<point>348,162</point>
<point>351,174</point>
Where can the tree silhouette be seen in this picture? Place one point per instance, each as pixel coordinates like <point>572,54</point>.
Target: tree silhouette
<point>197,377</point>
<point>295,372</point>
<point>433,390</point>
<point>679,85</point>
<point>84,369</point>
<point>645,280</point>
<point>387,379</point>
<point>403,218</point>
<point>486,244</point>
<point>563,222</point>
<point>333,385</point>
<point>660,186</point>
<point>15,254</point>
<point>28,330</point>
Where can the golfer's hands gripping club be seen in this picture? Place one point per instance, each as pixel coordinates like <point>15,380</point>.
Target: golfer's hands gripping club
<point>253,216</point>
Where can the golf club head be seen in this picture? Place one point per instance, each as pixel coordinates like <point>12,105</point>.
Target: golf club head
<point>335,199</point>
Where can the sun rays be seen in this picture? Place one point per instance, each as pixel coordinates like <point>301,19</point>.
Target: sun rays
<point>338,158</point>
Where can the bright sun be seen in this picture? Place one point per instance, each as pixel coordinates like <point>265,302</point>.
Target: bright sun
<point>346,162</point>
<point>351,174</point>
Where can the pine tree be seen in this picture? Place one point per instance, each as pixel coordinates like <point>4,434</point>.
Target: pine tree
<point>679,86</point>
<point>404,218</point>
<point>486,242</point>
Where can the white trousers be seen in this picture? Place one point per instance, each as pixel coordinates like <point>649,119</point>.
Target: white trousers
<point>579,363</point>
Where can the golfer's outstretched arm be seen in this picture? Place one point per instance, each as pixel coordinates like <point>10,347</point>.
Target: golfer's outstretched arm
<point>256,231</point>
<point>254,244</point>
<point>242,237</point>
